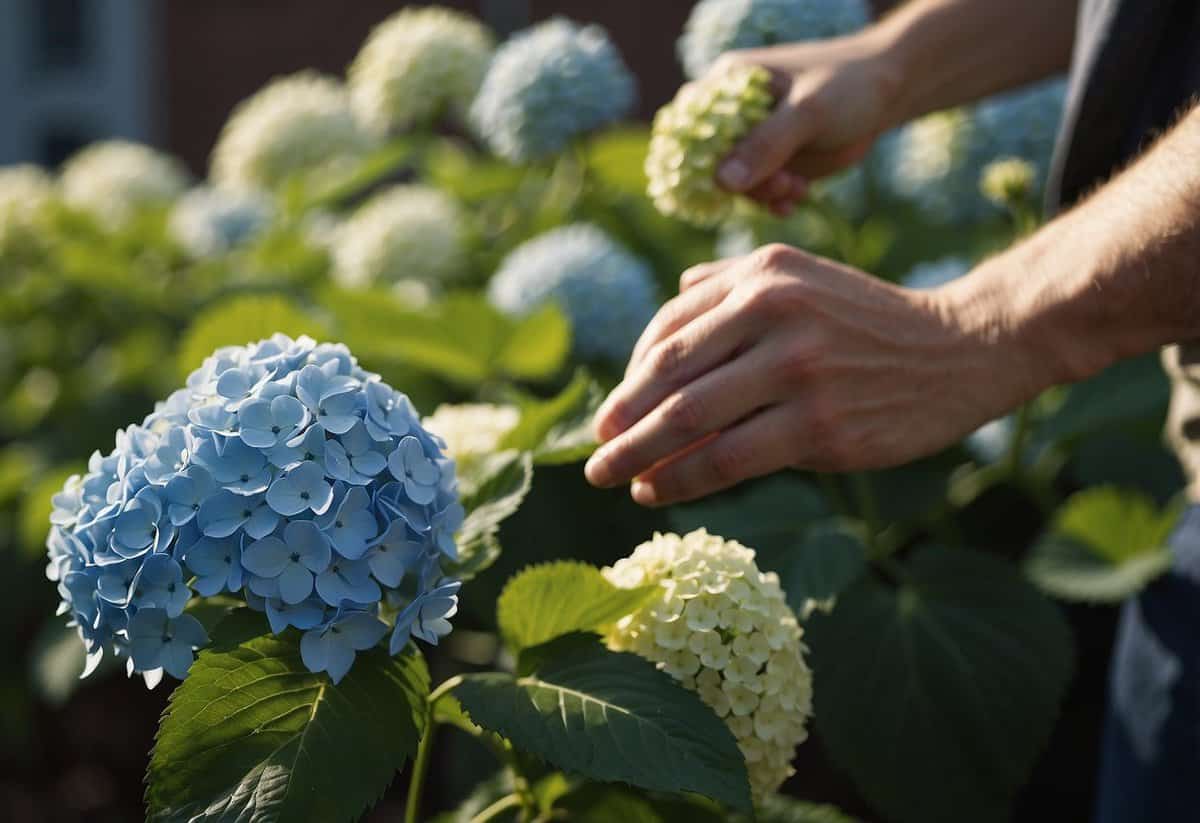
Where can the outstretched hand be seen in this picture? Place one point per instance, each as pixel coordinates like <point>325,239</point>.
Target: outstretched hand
<point>782,359</point>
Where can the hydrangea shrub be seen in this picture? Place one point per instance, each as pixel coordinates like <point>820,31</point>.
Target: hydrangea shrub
<point>114,178</point>
<point>406,232</point>
<point>607,292</point>
<point>24,189</point>
<point>549,84</point>
<point>283,473</point>
<point>717,26</point>
<point>417,64</point>
<point>724,629</point>
<point>295,124</point>
<point>692,135</point>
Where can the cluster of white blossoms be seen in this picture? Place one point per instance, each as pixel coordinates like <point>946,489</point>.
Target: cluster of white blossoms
<point>208,221</point>
<point>1008,181</point>
<point>471,430</point>
<point>24,189</point>
<point>606,292</point>
<point>549,84</point>
<point>724,629</point>
<point>717,26</point>
<point>417,64</point>
<point>694,132</point>
<point>299,123</point>
<point>406,232</point>
<point>112,179</point>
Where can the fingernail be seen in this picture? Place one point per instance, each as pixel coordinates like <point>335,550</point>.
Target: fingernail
<point>641,493</point>
<point>734,174</point>
<point>592,470</point>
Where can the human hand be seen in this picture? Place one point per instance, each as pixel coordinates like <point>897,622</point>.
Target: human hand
<point>835,96</point>
<point>782,359</point>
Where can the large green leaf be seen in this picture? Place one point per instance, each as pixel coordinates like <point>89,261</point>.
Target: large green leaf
<point>544,602</point>
<point>1105,544</point>
<point>499,483</point>
<point>251,734</point>
<point>538,346</point>
<point>240,320</point>
<point>558,430</point>
<point>830,558</point>
<point>1130,393</point>
<point>611,717</point>
<point>937,695</point>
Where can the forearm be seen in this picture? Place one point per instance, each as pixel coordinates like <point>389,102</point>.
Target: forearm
<point>949,52</point>
<point>1115,277</point>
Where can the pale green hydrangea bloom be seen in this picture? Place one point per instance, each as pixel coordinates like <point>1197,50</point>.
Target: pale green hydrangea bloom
<point>295,124</point>
<point>114,178</point>
<point>1008,181</point>
<point>406,232</point>
<point>724,629</point>
<point>694,132</point>
<point>24,189</point>
<point>417,64</point>
<point>471,430</point>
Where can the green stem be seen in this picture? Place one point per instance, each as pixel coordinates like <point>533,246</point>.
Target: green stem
<point>416,782</point>
<point>1016,449</point>
<point>509,801</point>
<point>867,509</point>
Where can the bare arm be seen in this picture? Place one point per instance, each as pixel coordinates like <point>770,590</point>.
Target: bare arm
<point>837,96</point>
<point>784,359</point>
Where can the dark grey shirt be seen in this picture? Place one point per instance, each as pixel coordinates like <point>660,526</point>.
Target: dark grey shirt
<point>1135,69</point>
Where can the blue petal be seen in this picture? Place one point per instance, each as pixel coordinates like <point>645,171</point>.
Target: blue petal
<point>266,558</point>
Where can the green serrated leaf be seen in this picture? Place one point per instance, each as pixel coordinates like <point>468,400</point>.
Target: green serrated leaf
<point>612,717</point>
<point>251,734</point>
<point>830,558</point>
<point>559,430</point>
<point>1105,545</point>
<point>499,484</point>
<point>544,602</point>
<point>938,695</point>
<point>240,320</point>
<point>538,346</point>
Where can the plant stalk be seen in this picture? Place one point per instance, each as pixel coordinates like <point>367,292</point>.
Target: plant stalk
<point>416,783</point>
<point>509,801</point>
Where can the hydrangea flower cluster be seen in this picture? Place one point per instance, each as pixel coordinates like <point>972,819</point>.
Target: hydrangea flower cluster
<point>607,293</point>
<point>548,84</point>
<point>24,189</point>
<point>694,132</point>
<point>1008,181</point>
<point>723,629</point>
<point>406,231</point>
<point>283,472</point>
<point>471,430</point>
<point>717,26</point>
<point>415,65</point>
<point>297,123</point>
<point>114,178</point>
<point>209,221</point>
<point>934,273</point>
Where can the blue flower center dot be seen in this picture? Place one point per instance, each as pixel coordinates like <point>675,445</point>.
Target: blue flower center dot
<point>304,495</point>
<point>295,557</point>
<point>245,478</point>
<point>246,512</point>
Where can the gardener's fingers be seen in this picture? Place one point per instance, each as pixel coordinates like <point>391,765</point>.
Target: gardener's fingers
<point>694,350</point>
<point>752,448</point>
<point>813,165</point>
<point>713,401</point>
<point>768,147</point>
<point>699,273</point>
<point>681,310</point>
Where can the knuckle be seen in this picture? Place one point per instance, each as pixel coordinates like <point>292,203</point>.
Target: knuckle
<point>684,413</point>
<point>727,461</point>
<point>774,255</point>
<point>669,356</point>
<point>795,363</point>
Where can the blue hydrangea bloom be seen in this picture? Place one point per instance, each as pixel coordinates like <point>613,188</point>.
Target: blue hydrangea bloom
<point>718,26</point>
<point>608,293</point>
<point>209,221</point>
<point>283,472</point>
<point>548,84</point>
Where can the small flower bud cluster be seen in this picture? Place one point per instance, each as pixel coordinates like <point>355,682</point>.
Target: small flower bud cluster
<point>407,232</point>
<point>1008,182</point>
<point>115,178</point>
<point>295,124</point>
<point>694,132</point>
<point>723,629</point>
<point>417,64</point>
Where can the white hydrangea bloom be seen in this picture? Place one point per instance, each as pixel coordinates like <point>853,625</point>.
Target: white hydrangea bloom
<point>471,430</point>
<point>114,178</point>
<point>723,628</point>
<point>298,123</point>
<point>717,26</point>
<point>24,189</point>
<point>548,84</point>
<point>415,65</point>
<point>406,232</point>
<point>607,293</point>
<point>934,273</point>
<point>210,221</point>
